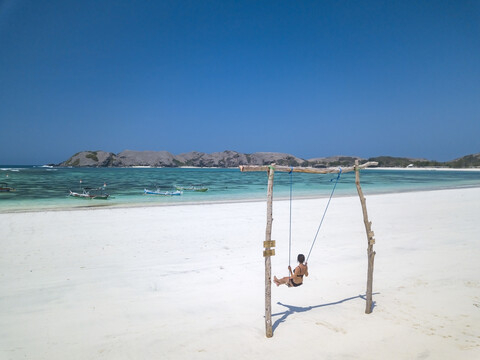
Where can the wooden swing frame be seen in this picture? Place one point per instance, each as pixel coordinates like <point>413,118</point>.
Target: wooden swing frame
<point>269,244</point>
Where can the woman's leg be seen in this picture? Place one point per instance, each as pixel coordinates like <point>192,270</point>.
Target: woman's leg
<point>281,281</point>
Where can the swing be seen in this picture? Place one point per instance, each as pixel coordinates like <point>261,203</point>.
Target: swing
<point>319,226</point>
<point>268,233</point>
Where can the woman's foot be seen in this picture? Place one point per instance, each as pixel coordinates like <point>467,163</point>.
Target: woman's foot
<point>276,281</point>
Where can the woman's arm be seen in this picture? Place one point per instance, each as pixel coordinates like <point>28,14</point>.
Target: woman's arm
<point>290,269</point>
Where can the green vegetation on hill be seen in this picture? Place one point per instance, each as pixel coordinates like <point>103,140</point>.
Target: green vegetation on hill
<point>389,161</point>
<point>468,161</point>
<point>92,155</point>
<point>343,161</point>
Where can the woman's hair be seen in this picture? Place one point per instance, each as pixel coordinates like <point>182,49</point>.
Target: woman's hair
<point>301,258</point>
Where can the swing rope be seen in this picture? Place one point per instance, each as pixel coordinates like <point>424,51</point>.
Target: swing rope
<point>323,217</point>
<point>290,226</point>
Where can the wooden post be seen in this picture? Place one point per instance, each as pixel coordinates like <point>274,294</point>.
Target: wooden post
<point>268,262</point>
<point>370,239</point>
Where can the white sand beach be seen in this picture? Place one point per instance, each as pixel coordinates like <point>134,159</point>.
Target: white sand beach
<point>187,282</point>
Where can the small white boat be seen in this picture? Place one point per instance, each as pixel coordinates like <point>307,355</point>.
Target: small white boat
<point>91,194</point>
<point>163,193</point>
<point>198,188</point>
<point>5,188</point>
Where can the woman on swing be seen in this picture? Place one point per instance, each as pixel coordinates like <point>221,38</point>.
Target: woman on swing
<point>296,277</point>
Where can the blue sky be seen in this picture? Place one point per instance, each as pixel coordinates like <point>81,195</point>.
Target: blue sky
<point>309,78</point>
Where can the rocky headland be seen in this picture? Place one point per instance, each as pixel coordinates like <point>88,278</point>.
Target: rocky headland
<point>228,158</point>
<point>224,159</point>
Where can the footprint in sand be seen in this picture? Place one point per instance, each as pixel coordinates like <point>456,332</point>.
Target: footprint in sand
<point>472,284</point>
<point>331,327</point>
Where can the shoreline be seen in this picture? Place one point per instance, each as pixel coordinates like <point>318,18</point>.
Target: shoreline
<point>103,206</point>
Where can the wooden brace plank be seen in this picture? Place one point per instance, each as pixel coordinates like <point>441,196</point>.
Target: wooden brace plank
<point>270,252</point>
<point>269,244</point>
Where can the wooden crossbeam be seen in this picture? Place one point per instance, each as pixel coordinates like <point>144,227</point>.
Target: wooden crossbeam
<point>310,170</point>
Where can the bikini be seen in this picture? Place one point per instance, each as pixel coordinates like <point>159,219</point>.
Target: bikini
<point>294,284</point>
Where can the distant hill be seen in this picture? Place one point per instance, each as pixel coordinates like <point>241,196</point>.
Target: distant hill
<point>468,161</point>
<point>334,161</point>
<point>228,158</point>
<point>223,159</point>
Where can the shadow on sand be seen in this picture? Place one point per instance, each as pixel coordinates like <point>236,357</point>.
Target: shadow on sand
<point>298,309</point>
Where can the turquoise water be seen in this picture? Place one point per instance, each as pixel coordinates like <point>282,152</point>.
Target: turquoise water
<point>48,188</point>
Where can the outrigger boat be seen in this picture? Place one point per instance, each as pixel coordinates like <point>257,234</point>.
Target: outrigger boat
<point>5,188</point>
<point>163,193</point>
<point>91,194</point>
<point>199,188</point>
